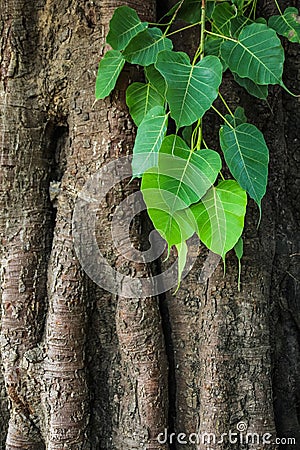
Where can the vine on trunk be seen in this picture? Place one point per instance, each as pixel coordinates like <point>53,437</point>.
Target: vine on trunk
<point>182,183</point>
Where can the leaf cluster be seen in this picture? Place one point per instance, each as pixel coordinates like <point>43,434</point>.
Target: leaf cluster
<point>182,183</point>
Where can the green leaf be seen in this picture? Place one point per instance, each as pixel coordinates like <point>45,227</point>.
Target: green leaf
<point>190,11</point>
<point>182,251</point>
<point>174,226</point>
<point>247,157</point>
<point>238,118</point>
<point>210,6</point>
<point>124,25</point>
<point>239,248</point>
<point>220,216</point>
<point>222,16</point>
<point>156,80</point>
<point>239,4</point>
<point>148,140</point>
<point>191,88</point>
<point>257,90</point>
<point>257,54</point>
<point>140,98</point>
<point>187,174</point>
<point>287,24</point>
<point>238,23</point>
<point>108,72</point>
<point>187,134</point>
<point>145,46</point>
<point>212,45</point>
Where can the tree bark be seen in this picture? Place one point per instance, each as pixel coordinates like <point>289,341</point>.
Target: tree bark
<point>86,369</point>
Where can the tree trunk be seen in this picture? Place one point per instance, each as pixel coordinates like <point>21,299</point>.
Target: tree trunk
<point>86,369</point>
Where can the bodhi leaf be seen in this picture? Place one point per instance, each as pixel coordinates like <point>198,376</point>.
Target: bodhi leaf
<point>238,118</point>
<point>174,226</point>
<point>222,16</point>
<point>239,248</point>
<point>108,72</point>
<point>247,157</point>
<point>238,23</point>
<point>257,54</point>
<point>187,133</point>
<point>212,45</point>
<point>238,3</point>
<point>145,46</point>
<point>190,11</point>
<point>191,88</point>
<point>187,174</point>
<point>156,80</point>
<point>258,90</point>
<point>210,6</point>
<point>140,98</point>
<point>220,216</point>
<point>287,24</point>
<point>148,140</point>
<point>124,25</point>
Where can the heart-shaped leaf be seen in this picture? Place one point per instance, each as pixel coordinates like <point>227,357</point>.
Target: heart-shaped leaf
<point>148,140</point>
<point>108,72</point>
<point>187,174</point>
<point>174,226</point>
<point>124,25</point>
<point>140,98</point>
<point>239,4</point>
<point>222,16</point>
<point>238,23</point>
<point>220,216</point>
<point>212,45</point>
<point>247,157</point>
<point>191,88</point>
<point>258,90</point>
<point>145,46</point>
<point>156,80</point>
<point>238,118</point>
<point>257,54</point>
<point>190,11</point>
<point>287,24</point>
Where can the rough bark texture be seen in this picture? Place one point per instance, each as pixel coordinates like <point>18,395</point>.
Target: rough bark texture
<point>84,369</point>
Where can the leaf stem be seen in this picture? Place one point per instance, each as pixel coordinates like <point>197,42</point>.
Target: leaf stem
<point>158,24</point>
<point>239,276</point>
<point>200,49</point>
<point>183,29</point>
<point>173,18</point>
<point>200,52</point>
<point>202,29</point>
<point>278,7</point>
<point>220,36</point>
<point>221,115</point>
<point>193,136</point>
<point>205,144</point>
<point>226,104</point>
<point>199,140</point>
